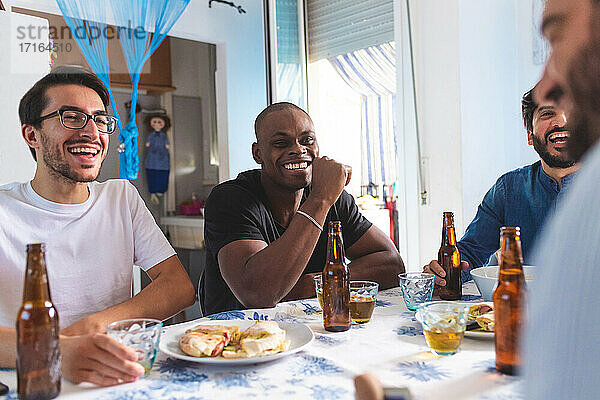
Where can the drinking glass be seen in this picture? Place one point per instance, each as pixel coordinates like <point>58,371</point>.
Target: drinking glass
<point>363,295</point>
<point>444,324</point>
<point>417,288</point>
<point>140,334</point>
<point>318,279</point>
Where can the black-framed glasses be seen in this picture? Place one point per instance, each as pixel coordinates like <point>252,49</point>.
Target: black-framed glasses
<point>73,119</point>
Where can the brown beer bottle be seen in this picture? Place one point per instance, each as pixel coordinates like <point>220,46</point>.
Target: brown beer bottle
<point>509,302</point>
<point>38,351</point>
<point>449,259</point>
<point>336,283</point>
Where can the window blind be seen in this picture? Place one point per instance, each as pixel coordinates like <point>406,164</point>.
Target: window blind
<point>341,26</point>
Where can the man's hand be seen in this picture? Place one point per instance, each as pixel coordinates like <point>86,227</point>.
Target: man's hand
<point>329,178</point>
<point>435,268</point>
<point>98,359</point>
<point>86,325</point>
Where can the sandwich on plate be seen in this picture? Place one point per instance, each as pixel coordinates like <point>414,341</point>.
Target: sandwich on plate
<point>207,340</point>
<point>486,321</point>
<point>261,339</point>
<point>479,309</point>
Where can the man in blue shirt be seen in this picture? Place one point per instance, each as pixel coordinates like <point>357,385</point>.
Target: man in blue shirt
<point>522,197</point>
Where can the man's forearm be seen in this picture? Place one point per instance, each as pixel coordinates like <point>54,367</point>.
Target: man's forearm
<point>164,297</point>
<point>382,267</point>
<point>161,299</point>
<point>303,289</point>
<point>270,274</point>
<point>8,347</point>
<point>169,292</point>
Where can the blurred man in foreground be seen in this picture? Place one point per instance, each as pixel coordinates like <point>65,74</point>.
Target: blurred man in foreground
<point>266,230</point>
<point>94,233</point>
<point>561,346</point>
<point>523,197</point>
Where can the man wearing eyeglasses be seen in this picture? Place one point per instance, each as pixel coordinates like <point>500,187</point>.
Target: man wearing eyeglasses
<point>94,233</point>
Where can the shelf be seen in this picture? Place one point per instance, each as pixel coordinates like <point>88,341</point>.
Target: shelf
<point>148,88</point>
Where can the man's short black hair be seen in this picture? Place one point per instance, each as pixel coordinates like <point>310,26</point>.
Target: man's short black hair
<point>35,100</point>
<point>272,108</point>
<point>528,107</point>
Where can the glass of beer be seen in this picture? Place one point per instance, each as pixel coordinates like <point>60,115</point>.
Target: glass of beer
<point>444,324</point>
<point>363,295</point>
<point>140,334</point>
<point>318,279</point>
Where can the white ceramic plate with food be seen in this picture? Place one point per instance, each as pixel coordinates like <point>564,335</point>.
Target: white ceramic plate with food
<point>479,333</point>
<point>299,336</point>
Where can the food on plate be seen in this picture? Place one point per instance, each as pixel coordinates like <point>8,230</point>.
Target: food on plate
<point>207,340</point>
<point>483,314</point>
<point>262,338</point>
<point>479,309</point>
<point>486,321</point>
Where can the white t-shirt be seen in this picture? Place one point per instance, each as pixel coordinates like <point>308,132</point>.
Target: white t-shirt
<point>90,247</point>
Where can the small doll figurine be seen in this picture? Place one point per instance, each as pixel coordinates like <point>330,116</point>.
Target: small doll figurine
<point>157,161</point>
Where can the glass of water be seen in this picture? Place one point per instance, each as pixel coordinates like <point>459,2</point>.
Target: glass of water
<point>140,334</point>
<point>417,288</point>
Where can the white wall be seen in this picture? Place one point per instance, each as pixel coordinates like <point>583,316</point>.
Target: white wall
<point>436,53</point>
<point>241,79</point>
<point>473,62</point>
<point>240,46</point>
<point>18,72</point>
<point>489,96</point>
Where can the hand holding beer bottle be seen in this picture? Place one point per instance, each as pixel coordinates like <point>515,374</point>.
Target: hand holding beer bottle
<point>449,259</point>
<point>436,269</point>
<point>444,268</point>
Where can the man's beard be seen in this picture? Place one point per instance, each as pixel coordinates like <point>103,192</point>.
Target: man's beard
<point>541,148</point>
<point>57,164</point>
<point>584,85</point>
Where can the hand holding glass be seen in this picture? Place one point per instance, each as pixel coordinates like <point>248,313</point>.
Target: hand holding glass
<point>142,335</point>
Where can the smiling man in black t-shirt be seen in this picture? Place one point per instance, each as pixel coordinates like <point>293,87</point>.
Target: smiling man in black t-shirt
<point>263,230</point>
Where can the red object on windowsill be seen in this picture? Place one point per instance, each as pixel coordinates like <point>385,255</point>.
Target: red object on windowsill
<point>192,207</point>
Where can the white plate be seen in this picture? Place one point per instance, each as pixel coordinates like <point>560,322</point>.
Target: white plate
<point>299,336</point>
<point>479,334</point>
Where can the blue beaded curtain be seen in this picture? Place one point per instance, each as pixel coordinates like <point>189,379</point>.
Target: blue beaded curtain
<point>147,23</point>
<point>85,19</point>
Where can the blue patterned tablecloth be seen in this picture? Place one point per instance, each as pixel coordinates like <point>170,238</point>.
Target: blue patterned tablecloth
<point>391,346</point>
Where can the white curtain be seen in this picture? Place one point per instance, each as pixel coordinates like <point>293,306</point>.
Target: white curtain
<point>289,83</point>
<point>372,73</point>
